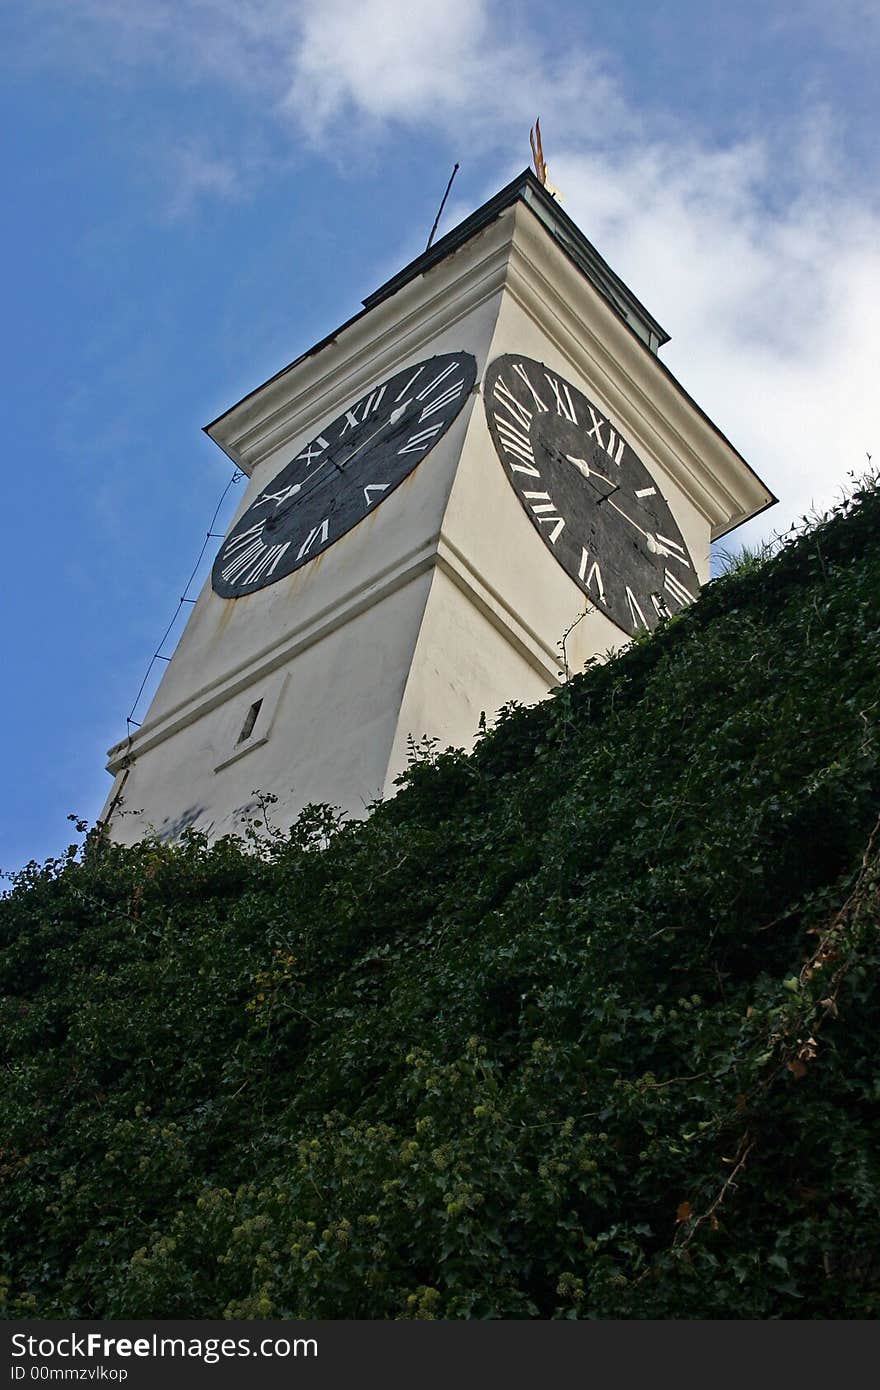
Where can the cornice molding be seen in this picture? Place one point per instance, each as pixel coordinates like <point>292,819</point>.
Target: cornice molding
<point>487,599</point>
<point>647,400</point>
<point>370,347</point>
<point>436,551</point>
<point>514,252</point>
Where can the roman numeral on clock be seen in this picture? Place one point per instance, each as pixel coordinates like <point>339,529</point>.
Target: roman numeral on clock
<point>516,443</point>
<point>278,497</point>
<point>243,547</point>
<point>513,429</point>
<point>671,549</point>
<point>317,534</point>
<point>521,373</point>
<point>540,504</point>
<point>440,377</point>
<point>251,557</point>
<point>421,440</point>
<point>236,542</point>
<point>266,565</point>
<point>374,487</point>
<point>236,568</point>
<point>415,376</point>
<point>519,413</point>
<point>637,617</point>
<point>591,574</point>
<point>367,407</point>
<point>660,606</point>
<point>313,450</point>
<point>564,403</point>
<point>612,444</point>
<point>673,585</point>
<point>445,398</point>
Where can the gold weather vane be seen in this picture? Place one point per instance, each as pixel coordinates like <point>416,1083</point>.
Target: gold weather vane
<point>540,165</point>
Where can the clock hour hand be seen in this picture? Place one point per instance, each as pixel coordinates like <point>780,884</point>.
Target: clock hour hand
<point>583,467</point>
<point>295,488</point>
<point>590,474</point>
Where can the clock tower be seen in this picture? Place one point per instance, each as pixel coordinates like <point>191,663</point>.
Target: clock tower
<point>488,452</point>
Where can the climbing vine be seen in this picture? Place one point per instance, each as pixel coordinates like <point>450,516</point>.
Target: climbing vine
<point>582,1024</point>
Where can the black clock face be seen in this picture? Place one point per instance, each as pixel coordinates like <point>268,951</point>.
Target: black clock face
<point>588,495</point>
<point>345,472</point>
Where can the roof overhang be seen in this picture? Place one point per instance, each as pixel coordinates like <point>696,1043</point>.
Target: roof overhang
<point>635,333</point>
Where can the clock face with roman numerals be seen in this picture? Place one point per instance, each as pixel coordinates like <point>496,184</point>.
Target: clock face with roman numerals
<point>348,469</point>
<point>588,495</point>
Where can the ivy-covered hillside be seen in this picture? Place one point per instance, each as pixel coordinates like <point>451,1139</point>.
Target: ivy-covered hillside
<point>582,1025</point>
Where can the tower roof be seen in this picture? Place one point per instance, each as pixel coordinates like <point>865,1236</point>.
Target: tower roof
<point>525,188</point>
<point>250,428</point>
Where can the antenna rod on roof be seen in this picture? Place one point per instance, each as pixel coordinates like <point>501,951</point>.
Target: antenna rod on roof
<point>442,206</point>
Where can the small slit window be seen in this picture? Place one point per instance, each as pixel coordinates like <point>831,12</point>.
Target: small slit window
<point>250,720</point>
<point>236,737</point>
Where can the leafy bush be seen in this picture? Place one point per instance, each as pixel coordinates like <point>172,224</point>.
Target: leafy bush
<point>580,1025</point>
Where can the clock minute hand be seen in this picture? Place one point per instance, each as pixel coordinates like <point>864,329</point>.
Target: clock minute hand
<point>628,518</point>
<point>283,505</point>
<point>658,545</point>
<point>346,458</point>
<point>392,420</point>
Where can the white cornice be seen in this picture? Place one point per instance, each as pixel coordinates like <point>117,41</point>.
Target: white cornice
<point>437,550</point>
<point>522,637</point>
<point>647,400</point>
<point>370,347</point>
<point>274,654</point>
<point>515,253</point>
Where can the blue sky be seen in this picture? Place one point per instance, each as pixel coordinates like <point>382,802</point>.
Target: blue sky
<point>198,190</point>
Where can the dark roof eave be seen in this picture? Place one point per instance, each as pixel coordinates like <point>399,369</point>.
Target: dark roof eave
<point>527,189</point>
<point>524,188</point>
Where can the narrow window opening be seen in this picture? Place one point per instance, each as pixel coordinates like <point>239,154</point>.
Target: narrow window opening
<point>247,727</point>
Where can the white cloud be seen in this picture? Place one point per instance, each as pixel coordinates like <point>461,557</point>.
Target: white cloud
<point>193,173</point>
<point>465,67</point>
<point>463,64</point>
<point>372,59</point>
<point>772,304</point>
<point>760,257</point>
